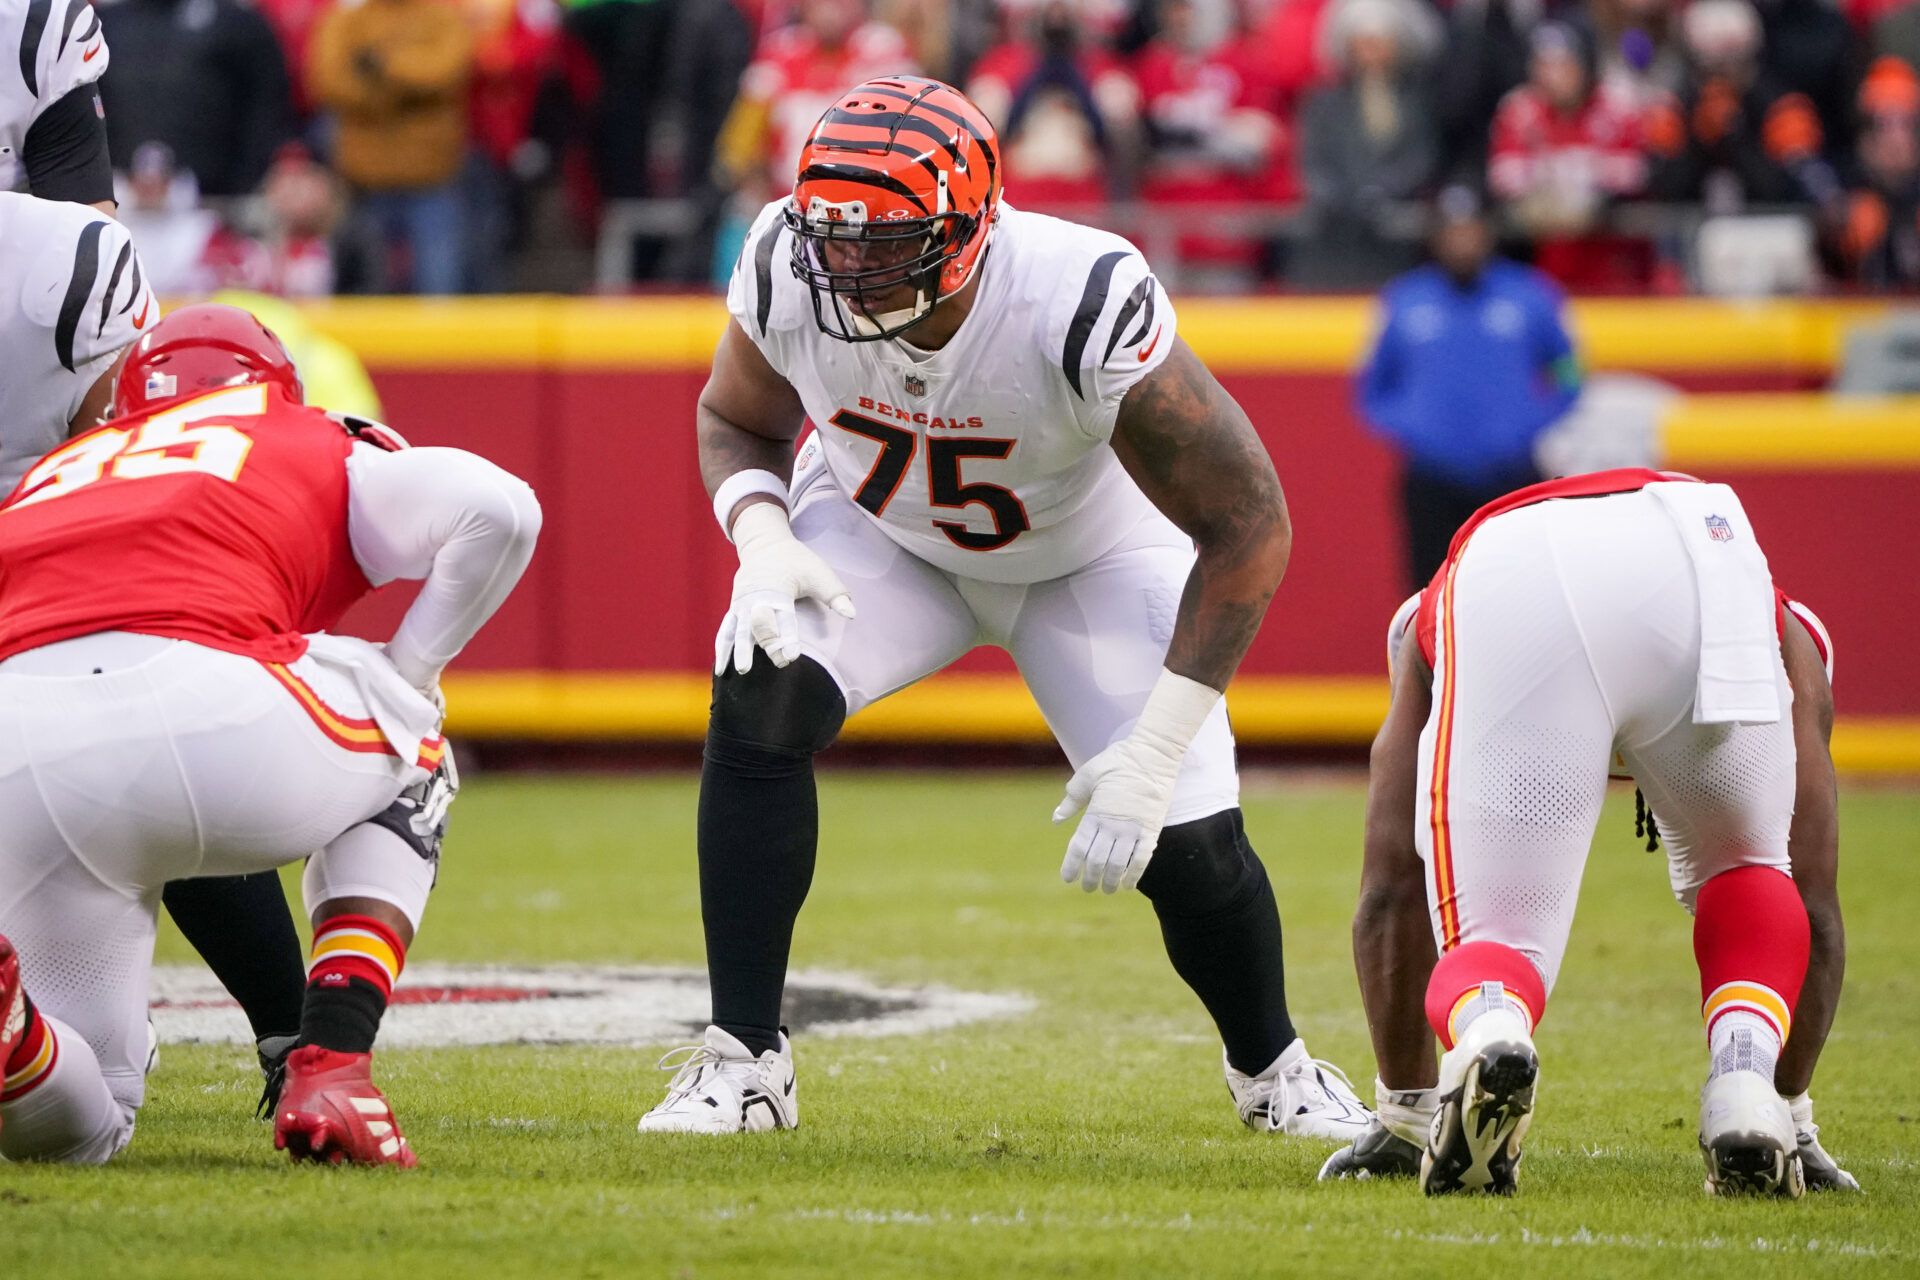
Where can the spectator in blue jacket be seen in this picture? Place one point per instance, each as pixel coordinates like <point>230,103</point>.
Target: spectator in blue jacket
<point>1472,363</point>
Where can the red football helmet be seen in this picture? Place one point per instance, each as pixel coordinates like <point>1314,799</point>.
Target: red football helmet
<point>202,348</point>
<point>898,188</point>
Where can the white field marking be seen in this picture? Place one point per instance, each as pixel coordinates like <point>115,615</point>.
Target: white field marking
<point>585,1004</point>
<point>1579,1238</point>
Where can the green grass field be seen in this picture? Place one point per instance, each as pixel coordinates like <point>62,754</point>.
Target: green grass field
<point>1092,1137</point>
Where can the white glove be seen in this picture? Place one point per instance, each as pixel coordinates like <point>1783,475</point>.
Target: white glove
<point>1127,788</point>
<point>776,572</point>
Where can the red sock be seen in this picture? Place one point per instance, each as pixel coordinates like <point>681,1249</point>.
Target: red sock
<point>356,961</point>
<point>32,1059</point>
<point>1750,938</point>
<point>1461,977</point>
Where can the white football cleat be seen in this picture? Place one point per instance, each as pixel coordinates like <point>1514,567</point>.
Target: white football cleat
<point>1486,1105</point>
<point>719,1087</point>
<point>1747,1138</point>
<point>1300,1096</point>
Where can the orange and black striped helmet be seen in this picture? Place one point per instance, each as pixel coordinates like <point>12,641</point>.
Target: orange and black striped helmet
<point>898,187</point>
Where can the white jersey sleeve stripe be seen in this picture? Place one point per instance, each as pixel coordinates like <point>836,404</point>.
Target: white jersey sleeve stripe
<point>31,33</point>
<point>86,268</point>
<point>1093,300</point>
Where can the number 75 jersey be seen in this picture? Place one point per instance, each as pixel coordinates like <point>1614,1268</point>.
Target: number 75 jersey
<point>988,458</point>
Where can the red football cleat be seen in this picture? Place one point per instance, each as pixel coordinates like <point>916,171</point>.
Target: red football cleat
<point>13,1002</point>
<point>331,1112</point>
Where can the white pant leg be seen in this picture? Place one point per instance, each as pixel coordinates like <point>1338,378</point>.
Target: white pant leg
<point>1091,645</point>
<point>910,620</point>
<point>1723,793</point>
<point>72,1116</point>
<point>1513,758</point>
<point>126,762</point>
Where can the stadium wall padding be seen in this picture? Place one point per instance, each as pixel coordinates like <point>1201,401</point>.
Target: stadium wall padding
<point>592,400</point>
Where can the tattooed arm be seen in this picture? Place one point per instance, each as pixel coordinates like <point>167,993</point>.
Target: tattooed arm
<point>748,416</point>
<point>1193,452</point>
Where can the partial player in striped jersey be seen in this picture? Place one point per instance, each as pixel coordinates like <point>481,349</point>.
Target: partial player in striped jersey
<point>1620,622</point>
<point>53,137</point>
<point>1014,448</point>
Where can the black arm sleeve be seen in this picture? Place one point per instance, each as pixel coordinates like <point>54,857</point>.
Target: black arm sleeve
<point>66,151</point>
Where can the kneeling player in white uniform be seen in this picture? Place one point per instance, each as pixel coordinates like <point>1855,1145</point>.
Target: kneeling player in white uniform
<point>1625,616</point>
<point>1014,448</point>
<point>170,709</point>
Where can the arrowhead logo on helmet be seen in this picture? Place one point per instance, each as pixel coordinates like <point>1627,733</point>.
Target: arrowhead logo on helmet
<point>897,191</point>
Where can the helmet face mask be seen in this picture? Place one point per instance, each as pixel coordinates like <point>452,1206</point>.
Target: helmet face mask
<point>873,280</point>
<point>896,196</point>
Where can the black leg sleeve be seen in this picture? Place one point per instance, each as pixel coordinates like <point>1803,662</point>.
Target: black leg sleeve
<point>242,928</point>
<point>1222,930</point>
<point>759,825</point>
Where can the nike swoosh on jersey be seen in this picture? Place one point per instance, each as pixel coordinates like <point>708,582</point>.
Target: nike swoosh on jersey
<point>140,320</point>
<point>88,55</point>
<point>1147,350</point>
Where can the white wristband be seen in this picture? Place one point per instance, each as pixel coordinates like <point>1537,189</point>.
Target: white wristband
<point>1175,710</point>
<point>744,484</point>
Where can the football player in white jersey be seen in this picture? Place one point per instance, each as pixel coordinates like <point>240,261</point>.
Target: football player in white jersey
<point>53,137</point>
<point>73,299</point>
<point>1015,448</point>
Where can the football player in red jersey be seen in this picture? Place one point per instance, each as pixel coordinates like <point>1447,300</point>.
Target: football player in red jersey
<point>1620,621</point>
<point>169,712</point>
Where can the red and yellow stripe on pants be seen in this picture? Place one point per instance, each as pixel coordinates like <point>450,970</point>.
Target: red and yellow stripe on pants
<point>1445,694</point>
<point>350,732</point>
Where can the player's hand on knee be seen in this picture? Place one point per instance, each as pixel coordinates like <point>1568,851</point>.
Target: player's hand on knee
<point>777,571</point>
<point>1125,791</point>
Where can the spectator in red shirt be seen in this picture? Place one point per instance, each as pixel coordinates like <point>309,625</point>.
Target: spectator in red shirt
<point>1213,123</point>
<point>1564,146</point>
<point>1066,107</point>
<point>833,47</point>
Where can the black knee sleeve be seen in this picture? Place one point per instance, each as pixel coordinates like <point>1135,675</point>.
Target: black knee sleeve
<point>1203,868</point>
<point>796,709</point>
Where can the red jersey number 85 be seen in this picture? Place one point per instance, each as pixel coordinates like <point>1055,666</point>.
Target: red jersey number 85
<point>176,441</point>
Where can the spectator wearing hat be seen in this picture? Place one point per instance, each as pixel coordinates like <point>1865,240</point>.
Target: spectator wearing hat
<point>1472,363</point>
<point>1368,142</point>
<point>1564,146</point>
<point>1882,237</point>
<point>395,74</point>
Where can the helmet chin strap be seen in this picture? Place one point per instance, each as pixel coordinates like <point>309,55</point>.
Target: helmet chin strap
<point>868,326</point>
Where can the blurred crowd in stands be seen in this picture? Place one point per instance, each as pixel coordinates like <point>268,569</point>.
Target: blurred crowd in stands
<point>307,147</point>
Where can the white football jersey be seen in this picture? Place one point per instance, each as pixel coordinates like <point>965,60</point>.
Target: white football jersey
<point>987,458</point>
<point>71,296</point>
<point>50,48</point>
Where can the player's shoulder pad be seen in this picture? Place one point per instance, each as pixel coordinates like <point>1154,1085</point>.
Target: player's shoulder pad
<point>57,46</point>
<point>1109,322</point>
<point>367,431</point>
<point>763,294</point>
<point>83,282</point>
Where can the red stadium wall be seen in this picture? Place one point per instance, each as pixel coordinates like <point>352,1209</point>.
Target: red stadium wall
<point>612,630</point>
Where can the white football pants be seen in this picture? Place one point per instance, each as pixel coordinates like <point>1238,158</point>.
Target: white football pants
<point>128,761</point>
<point>1575,634</point>
<point>1089,645</point>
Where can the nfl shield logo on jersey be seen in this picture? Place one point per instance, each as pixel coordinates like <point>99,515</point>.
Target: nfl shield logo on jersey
<point>1718,529</point>
<point>916,385</point>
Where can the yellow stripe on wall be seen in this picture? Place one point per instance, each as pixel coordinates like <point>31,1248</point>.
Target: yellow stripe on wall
<point>989,709</point>
<point>1277,335</point>
<point>1754,431</point>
